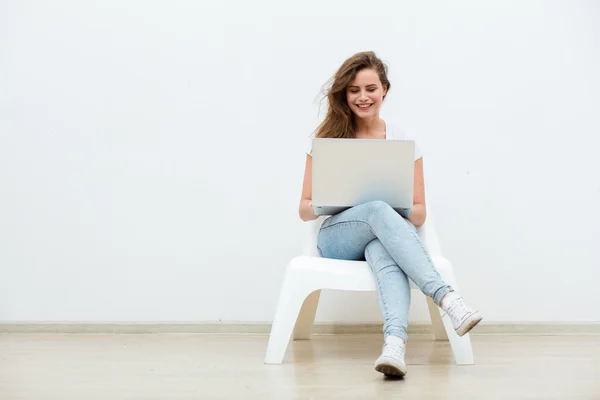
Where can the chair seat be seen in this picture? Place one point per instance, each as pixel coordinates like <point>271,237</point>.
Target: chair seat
<point>344,274</point>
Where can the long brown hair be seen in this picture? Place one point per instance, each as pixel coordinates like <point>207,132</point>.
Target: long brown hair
<point>339,122</point>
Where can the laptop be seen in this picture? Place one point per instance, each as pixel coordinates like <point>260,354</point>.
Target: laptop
<point>349,172</point>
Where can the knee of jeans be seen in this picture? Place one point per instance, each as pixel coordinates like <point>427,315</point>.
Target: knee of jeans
<point>370,248</point>
<point>377,207</point>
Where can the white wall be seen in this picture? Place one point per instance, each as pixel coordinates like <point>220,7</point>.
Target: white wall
<point>151,152</point>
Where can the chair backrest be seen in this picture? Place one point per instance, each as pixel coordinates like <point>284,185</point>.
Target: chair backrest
<point>427,233</point>
<point>309,239</point>
<point>429,236</point>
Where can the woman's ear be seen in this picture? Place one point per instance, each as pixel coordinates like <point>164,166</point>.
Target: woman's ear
<point>384,91</point>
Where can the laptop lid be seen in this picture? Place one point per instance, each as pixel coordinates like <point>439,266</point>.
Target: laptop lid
<point>349,172</point>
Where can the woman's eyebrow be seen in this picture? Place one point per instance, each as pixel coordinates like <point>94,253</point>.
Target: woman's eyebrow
<point>354,86</point>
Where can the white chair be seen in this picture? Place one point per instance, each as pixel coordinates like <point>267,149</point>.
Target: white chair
<point>307,274</point>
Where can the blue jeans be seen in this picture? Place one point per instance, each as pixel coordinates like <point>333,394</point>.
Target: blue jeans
<point>391,246</point>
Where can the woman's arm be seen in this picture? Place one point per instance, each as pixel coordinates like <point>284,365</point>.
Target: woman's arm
<point>305,210</point>
<point>419,211</point>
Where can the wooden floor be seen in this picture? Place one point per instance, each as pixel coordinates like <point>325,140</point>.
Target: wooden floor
<point>88,366</point>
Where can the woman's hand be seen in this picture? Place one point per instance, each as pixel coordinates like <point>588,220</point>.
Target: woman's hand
<point>417,215</point>
<point>306,210</point>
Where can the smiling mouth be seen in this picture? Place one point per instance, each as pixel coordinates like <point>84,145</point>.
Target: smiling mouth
<point>364,106</point>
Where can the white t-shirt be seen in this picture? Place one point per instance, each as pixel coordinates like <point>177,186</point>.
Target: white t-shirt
<point>392,132</point>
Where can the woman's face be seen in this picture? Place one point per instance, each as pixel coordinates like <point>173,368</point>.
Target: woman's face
<point>365,94</point>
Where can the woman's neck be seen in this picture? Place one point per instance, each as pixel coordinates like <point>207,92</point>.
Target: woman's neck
<point>373,128</point>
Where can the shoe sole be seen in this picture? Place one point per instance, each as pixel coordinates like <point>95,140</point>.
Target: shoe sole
<point>389,370</point>
<point>469,324</point>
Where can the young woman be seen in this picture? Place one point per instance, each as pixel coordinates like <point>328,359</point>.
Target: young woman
<point>374,231</point>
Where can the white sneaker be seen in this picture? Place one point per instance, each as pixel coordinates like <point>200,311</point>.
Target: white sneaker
<point>463,318</point>
<point>391,360</point>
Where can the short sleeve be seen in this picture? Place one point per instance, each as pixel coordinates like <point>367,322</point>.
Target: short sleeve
<point>398,134</point>
<point>308,145</point>
<point>418,150</point>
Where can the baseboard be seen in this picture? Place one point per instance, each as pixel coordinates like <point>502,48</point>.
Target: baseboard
<point>415,328</point>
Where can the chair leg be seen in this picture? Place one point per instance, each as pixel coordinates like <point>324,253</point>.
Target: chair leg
<point>290,301</point>
<point>436,320</point>
<point>444,330</point>
<point>306,319</point>
<point>461,345</point>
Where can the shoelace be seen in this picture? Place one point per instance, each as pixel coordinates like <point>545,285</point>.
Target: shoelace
<point>457,309</point>
<point>395,350</point>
